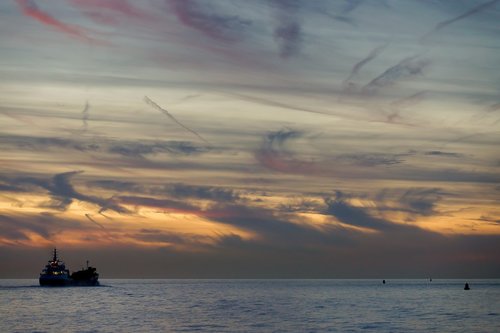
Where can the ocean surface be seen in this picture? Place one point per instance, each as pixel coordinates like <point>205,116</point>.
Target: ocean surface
<point>252,306</point>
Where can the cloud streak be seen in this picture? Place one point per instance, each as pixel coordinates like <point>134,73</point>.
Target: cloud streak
<point>270,102</point>
<point>405,69</point>
<point>63,193</point>
<point>224,28</point>
<point>31,9</point>
<point>122,7</point>
<point>273,155</point>
<point>441,25</point>
<point>357,67</point>
<point>89,217</point>
<point>85,115</point>
<point>169,115</point>
<point>288,30</point>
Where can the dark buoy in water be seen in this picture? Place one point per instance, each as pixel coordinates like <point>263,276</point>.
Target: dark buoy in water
<point>383,281</point>
<point>466,287</point>
<point>430,279</point>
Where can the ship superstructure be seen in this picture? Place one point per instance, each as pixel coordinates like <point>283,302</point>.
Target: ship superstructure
<point>55,273</point>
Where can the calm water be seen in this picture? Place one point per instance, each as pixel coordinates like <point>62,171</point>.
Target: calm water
<point>252,306</point>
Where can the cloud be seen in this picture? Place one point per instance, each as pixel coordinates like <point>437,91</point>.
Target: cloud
<point>300,205</point>
<point>63,193</point>
<point>85,115</point>
<point>273,155</point>
<point>118,185</point>
<point>493,107</point>
<point>490,220</point>
<point>30,8</point>
<point>405,69</point>
<point>470,12</point>
<point>170,238</point>
<point>276,231</point>
<point>13,230</point>
<point>17,227</point>
<point>226,28</point>
<point>131,149</point>
<point>357,67</point>
<point>45,143</point>
<point>351,5</point>
<point>202,192</point>
<point>271,102</point>
<point>171,205</point>
<point>91,219</point>
<point>139,150</point>
<point>169,115</point>
<point>356,216</point>
<point>6,186</point>
<point>443,154</point>
<point>101,9</point>
<point>288,30</point>
<point>415,201</point>
<point>176,190</point>
<point>371,159</point>
<point>410,100</point>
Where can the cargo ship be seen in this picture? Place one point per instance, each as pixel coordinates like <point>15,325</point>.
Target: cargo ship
<point>55,274</point>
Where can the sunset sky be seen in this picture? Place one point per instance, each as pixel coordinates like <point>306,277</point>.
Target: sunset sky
<point>263,138</point>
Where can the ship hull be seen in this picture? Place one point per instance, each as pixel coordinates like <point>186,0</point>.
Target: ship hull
<point>86,283</point>
<point>49,281</point>
<point>66,282</point>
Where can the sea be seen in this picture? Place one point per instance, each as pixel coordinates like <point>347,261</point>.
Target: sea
<point>252,306</point>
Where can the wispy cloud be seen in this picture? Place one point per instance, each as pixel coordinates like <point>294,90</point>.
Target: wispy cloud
<point>125,148</point>
<point>31,9</point>
<point>493,107</point>
<point>160,203</point>
<point>169,115</point>
<point>288,31</point>
<point>372,159</point>
<point>202,192</point>
<point>470,12</point>
<point>405,69</point>
<point>63,193</point>
<point>91,219</point>
<point>410,100</point>
<point>102,9</point>
<point>443,154</point>
<point>85,115</point>
<point>274,230</point>
<point>273,155</point>
<point>418,201</point>
<point>271,102</point>
<point>175,190</point>
<point>351,5</point>
<point>140,150</point>
<point>357,67</point>
<point>18,226</point>
<point>356,216</point>
<point>490,220</point>
<point>217,26</point>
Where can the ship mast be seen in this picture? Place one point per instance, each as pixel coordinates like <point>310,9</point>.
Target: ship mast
<point>55,255</point>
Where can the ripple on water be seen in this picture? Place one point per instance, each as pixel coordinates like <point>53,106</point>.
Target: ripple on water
<point>250,306</point>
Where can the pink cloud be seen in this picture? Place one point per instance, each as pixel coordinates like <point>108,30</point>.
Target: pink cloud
<point>30,8</point>
<point>119,6</point>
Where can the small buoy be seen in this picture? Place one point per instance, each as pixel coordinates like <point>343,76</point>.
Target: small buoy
<point>430,279</point>
<point>466,287</point>
<point>383,281</point>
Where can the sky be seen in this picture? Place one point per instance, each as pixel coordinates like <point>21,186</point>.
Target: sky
<point>251,139</point>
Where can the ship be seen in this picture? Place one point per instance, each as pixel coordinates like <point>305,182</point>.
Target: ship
<point>55,274</point>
